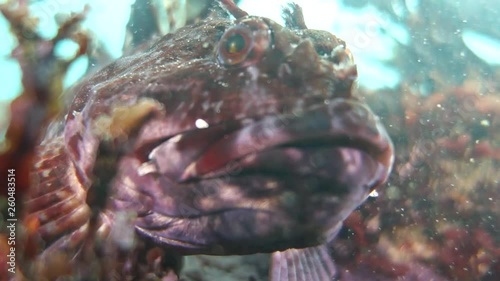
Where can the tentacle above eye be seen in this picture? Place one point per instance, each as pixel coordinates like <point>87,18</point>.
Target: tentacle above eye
<point>234,10</point>
<point>294,17</point>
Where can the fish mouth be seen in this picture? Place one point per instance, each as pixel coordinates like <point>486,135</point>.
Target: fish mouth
<point>259,185</point>
<point>320,141</point>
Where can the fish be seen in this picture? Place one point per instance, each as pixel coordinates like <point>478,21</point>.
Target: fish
<point>232,136</point>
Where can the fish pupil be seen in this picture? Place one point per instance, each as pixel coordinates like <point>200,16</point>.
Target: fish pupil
<point>235,44</point>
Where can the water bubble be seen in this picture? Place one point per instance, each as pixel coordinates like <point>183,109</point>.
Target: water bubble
<point>201,124</point>
<point>485,123</point>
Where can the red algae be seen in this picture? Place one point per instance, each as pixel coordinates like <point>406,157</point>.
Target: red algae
<point>439,209</point>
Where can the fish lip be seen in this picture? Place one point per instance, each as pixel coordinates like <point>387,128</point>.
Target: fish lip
<point>227,141</point>
<point>186,245</point>
<point>340,123</point>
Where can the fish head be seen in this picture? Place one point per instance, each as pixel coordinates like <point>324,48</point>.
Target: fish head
<point>256,143</point>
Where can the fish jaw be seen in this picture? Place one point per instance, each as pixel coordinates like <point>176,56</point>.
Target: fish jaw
<point>257,186</point>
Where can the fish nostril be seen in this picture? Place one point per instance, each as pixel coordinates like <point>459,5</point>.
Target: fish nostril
<point>341,56</point>
<point>323,51</point>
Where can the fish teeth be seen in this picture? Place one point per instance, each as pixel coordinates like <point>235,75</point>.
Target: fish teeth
<point>175,139</point>
<point>152,153</point>
<point>190,171</point>
<point>147,168</point>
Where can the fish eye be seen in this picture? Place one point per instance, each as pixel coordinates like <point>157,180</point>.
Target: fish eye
<point>235,46</point>
<point>244,43</point>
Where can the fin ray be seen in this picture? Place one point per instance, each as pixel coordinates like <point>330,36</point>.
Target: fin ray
<point>308,264</point>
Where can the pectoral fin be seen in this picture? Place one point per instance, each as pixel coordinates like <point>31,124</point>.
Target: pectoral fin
<point>308,264</point>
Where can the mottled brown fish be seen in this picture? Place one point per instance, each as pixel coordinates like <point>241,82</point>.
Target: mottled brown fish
<point>232,137</point>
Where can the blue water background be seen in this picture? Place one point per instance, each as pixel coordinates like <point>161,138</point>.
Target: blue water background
<point>369,34</point>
